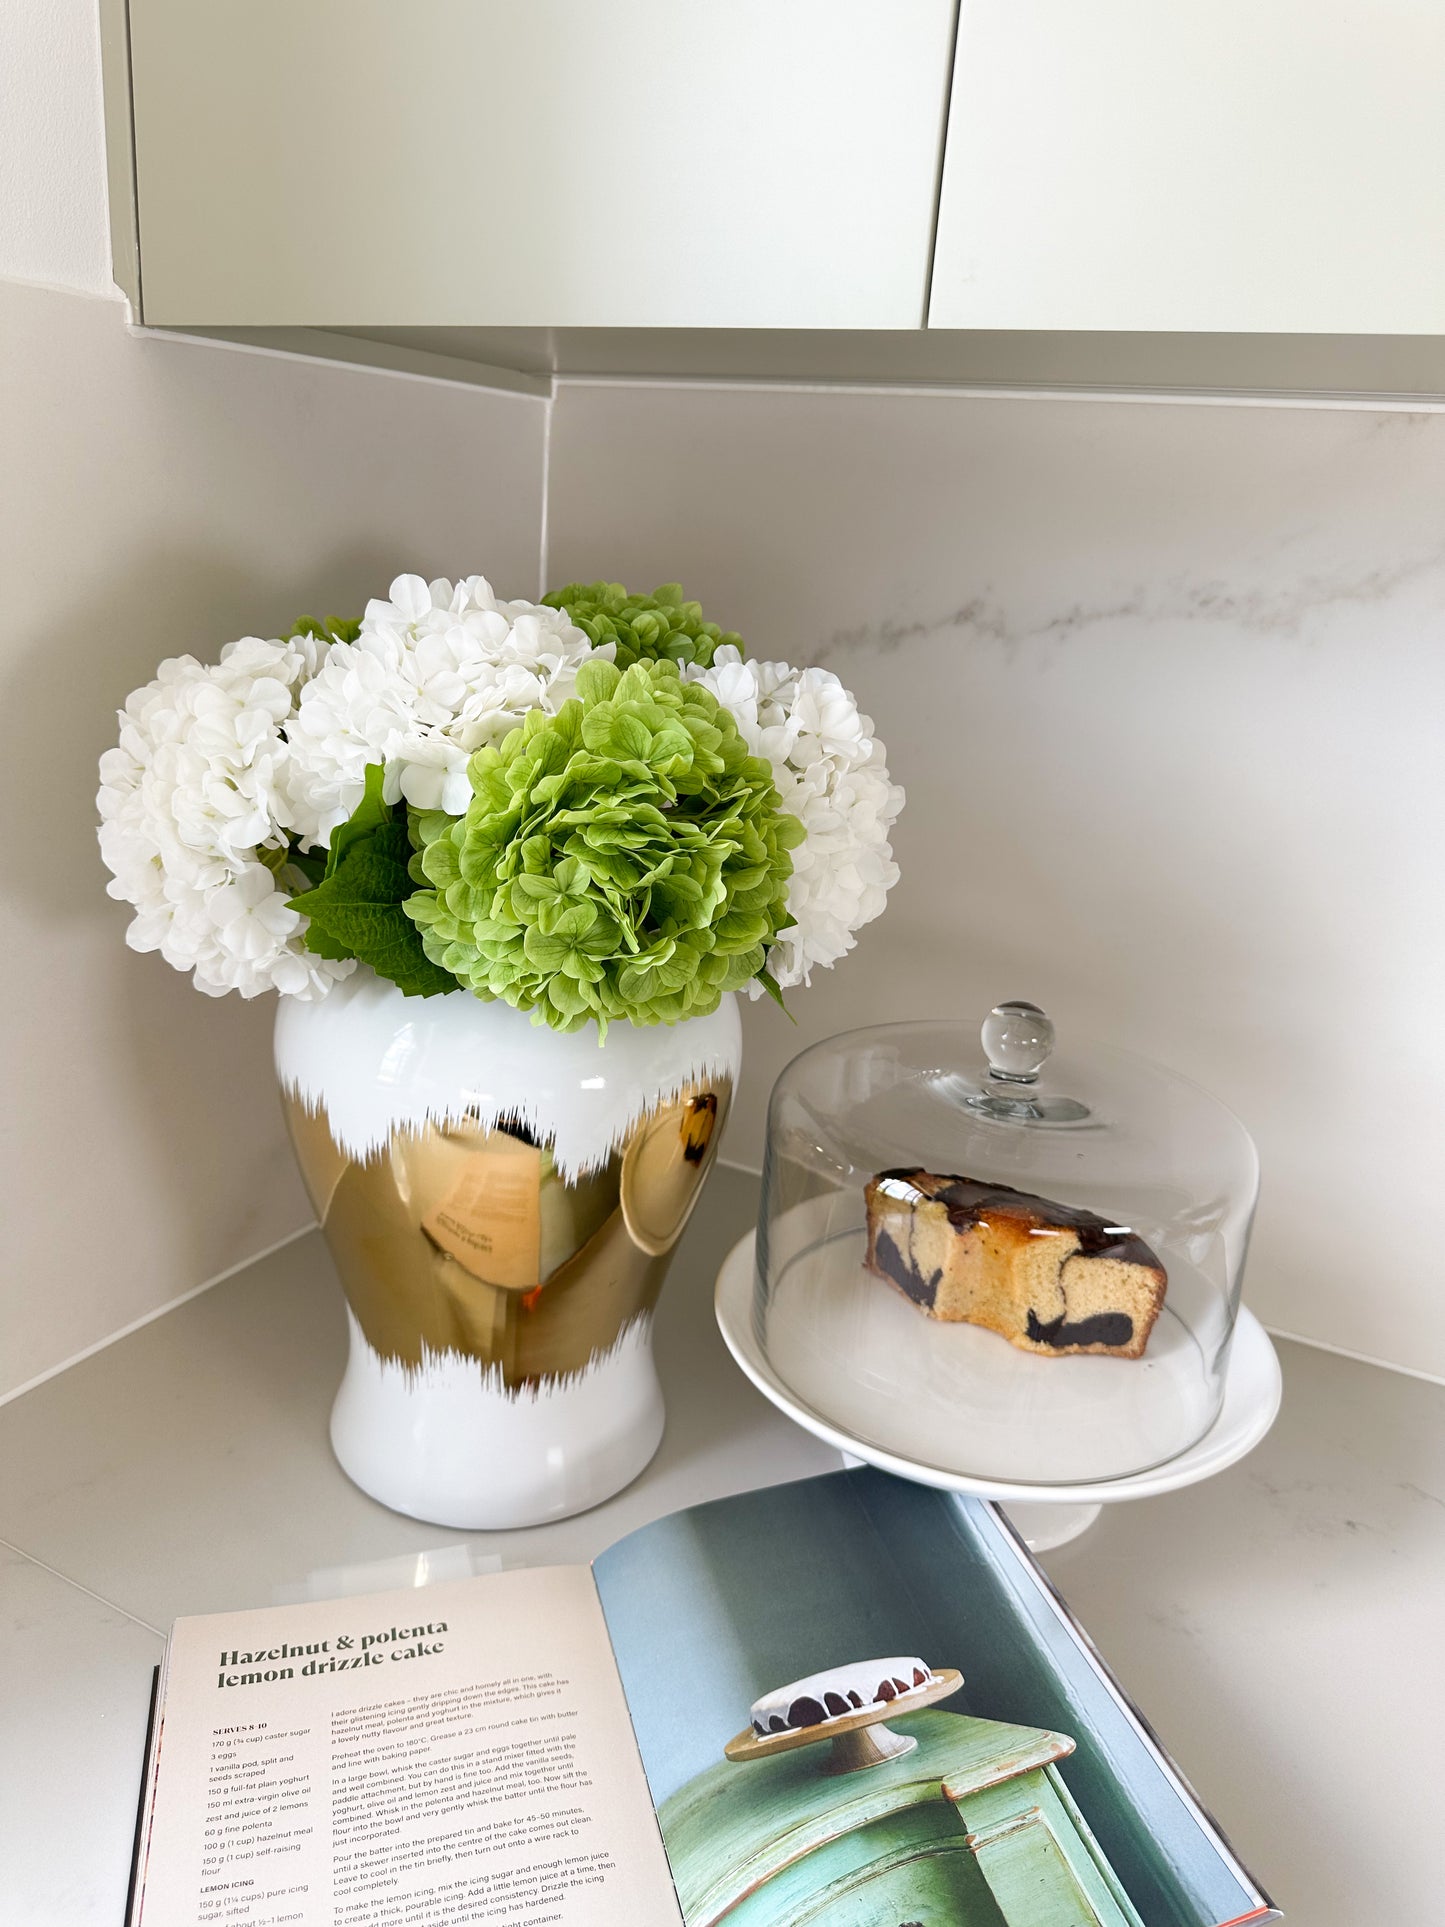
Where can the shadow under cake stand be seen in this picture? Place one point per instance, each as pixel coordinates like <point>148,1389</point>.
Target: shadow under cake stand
<point>859,1739</point>
<point>1044,1515</point>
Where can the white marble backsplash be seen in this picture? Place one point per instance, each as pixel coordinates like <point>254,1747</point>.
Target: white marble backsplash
<point>1166,686</point>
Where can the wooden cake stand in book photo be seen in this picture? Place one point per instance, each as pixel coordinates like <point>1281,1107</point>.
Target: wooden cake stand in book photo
<point>859,1739</point>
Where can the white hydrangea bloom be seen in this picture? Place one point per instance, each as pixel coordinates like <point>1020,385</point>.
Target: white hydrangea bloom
<point>830,773</point>
<point>190,798</point>
<point>437,672</point>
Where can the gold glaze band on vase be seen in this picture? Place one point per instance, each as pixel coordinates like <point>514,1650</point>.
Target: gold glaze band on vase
<point>455,1238</point>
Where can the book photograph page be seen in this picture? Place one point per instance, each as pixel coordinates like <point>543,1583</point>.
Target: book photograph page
<point>458,1752</point>
<point>857,1703</point>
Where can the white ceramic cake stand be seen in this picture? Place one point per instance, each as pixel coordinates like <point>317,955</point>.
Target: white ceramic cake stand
<point>1044,1515</point>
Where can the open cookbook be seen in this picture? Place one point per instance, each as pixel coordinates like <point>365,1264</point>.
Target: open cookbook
<point>848,1701</point>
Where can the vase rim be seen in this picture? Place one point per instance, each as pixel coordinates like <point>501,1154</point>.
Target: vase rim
<point>377,1063</point>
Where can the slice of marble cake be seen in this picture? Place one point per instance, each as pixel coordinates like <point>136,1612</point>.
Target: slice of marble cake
<point>1051,1278</point>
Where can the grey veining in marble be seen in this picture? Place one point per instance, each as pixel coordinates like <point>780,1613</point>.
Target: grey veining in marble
<point>1261,611</point>
<point>1165,686</point>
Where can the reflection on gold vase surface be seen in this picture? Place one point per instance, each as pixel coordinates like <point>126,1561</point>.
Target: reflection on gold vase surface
<point>502,1201</point>
<point>459,1239</point>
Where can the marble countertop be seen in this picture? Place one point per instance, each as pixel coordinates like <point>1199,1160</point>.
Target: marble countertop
<point>1281,1625</point>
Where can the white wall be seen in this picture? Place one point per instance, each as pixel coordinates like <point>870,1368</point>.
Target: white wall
<point>1165,685</point>
<point>158,497</point>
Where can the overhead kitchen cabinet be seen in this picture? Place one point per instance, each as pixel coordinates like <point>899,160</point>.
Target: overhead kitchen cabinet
<point>1245,166</point>
<point>1201,196</point>
<point>598,163</point>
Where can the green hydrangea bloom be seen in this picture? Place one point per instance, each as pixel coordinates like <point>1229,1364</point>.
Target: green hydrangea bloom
<point>646,628</point>
<point>626,858</point>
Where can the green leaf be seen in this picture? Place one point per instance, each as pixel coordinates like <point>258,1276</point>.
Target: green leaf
<point>369,816</point>
<point>319,943</point>
<point>775,992</point>
<point>357,910</point>
<point>311,863</point>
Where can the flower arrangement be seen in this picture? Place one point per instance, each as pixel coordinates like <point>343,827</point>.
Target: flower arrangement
<point>594,808</point>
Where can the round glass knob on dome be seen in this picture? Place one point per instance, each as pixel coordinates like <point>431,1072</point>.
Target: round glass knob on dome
<point>1017,1037</point>
<point>999,1258</point>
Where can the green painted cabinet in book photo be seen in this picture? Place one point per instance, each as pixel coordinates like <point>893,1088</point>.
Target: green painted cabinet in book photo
<point>972,1827</point>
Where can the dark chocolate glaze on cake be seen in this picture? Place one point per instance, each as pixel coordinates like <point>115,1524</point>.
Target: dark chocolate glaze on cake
<point>967,1202</point>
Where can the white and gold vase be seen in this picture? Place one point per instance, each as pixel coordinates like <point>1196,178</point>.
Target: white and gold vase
<point>502,1202</point>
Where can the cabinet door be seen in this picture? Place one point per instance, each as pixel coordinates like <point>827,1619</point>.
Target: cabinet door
<point>745,163</point>
<point>1238,165</point>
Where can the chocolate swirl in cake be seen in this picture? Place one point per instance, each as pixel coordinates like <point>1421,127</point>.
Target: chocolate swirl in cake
<point>1047,1276</point>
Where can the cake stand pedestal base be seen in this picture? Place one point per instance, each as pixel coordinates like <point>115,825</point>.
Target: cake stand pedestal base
<point>1043,1524</point>
<point>869,1746</point>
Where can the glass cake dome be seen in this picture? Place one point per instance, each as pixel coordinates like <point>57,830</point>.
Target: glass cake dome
<point>996,1260</point>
